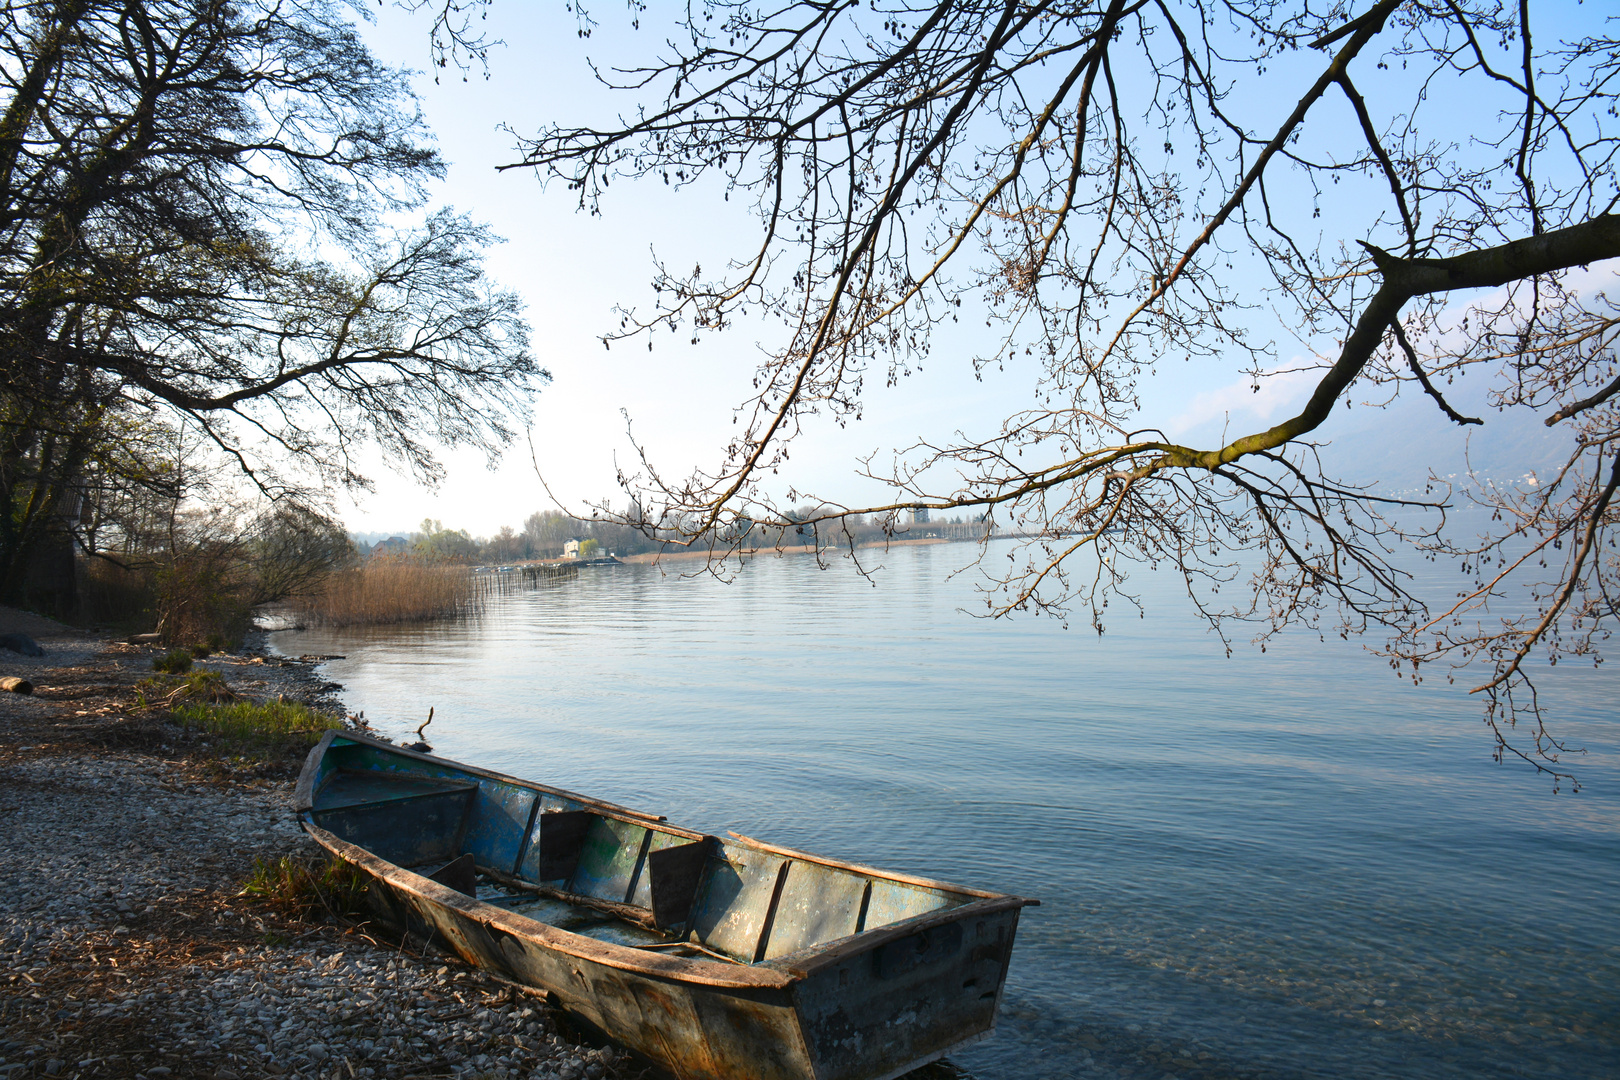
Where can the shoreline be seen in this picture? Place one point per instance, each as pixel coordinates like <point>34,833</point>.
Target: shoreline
<point>777,552</point>
<point>128,947</point>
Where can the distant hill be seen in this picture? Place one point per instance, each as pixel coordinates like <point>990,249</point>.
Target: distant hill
<point>1396,446</point>
<point>373,537</point>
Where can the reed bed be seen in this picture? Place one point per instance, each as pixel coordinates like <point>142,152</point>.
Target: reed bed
<point>393,591</point>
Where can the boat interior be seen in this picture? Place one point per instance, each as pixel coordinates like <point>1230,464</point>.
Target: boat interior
<point>599,870</point>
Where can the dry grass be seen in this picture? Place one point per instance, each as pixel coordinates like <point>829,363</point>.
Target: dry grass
<point>393,591</point>
<point>169,691</point>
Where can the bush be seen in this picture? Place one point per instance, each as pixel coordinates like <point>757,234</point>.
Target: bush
<point>202,590</point>
<point>199,572</point>
<point>114,595</point>
<point>173,662</point>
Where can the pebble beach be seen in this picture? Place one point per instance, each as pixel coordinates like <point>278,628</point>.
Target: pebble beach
<point>129,949</point>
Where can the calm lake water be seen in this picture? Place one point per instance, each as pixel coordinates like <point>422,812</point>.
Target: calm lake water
<point>1288,864</point>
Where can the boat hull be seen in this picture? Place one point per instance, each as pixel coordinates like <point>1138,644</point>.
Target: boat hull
<point>869,1006</point>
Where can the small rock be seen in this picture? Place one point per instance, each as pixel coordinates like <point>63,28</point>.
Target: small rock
<point>22,643</point>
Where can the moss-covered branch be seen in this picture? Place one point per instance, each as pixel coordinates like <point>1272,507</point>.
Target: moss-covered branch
<point>1579,245</point>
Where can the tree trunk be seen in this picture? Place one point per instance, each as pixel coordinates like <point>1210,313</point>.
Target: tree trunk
<point>49,575</point>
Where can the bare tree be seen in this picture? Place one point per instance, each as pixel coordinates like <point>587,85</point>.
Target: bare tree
<point>1410,186</point>
<point>194,198</point>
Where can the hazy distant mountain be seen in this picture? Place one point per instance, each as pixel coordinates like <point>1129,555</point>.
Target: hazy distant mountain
<point>373,537</point>
<point>1397,445</point>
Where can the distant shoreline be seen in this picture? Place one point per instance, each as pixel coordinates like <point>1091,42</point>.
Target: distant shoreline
<point>796,549</point>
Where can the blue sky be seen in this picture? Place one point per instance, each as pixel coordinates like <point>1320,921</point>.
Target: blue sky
<point>572,268</point>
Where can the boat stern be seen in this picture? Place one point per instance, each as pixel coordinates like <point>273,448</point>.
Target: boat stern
<point>909,994</point>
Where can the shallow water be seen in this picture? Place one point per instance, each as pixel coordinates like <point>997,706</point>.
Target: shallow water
<point>1283,864</point>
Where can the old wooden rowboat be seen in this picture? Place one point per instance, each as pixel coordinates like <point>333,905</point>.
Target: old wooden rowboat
<point>717,958</point>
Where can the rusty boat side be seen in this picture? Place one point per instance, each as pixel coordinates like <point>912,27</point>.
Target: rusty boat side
<point>718,958</point>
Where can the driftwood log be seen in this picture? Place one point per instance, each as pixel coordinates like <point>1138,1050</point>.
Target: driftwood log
<point>16,686</point>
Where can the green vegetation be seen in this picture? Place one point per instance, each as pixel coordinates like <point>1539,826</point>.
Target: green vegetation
<point>232,726</point>
<point>435,543</point>
<point>300,886</point>
<point>255,728</point>
<point>173,662</point>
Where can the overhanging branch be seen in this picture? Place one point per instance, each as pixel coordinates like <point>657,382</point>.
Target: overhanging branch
<point>1578,245</point>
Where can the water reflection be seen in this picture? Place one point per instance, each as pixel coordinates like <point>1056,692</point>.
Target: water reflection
<point>1286,864</point>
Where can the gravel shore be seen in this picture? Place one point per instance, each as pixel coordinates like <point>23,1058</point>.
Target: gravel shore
<point>128,950</point>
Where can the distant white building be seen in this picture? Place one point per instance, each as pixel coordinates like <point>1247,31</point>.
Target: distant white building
<point>919,515</point>
<point>571,549</point>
